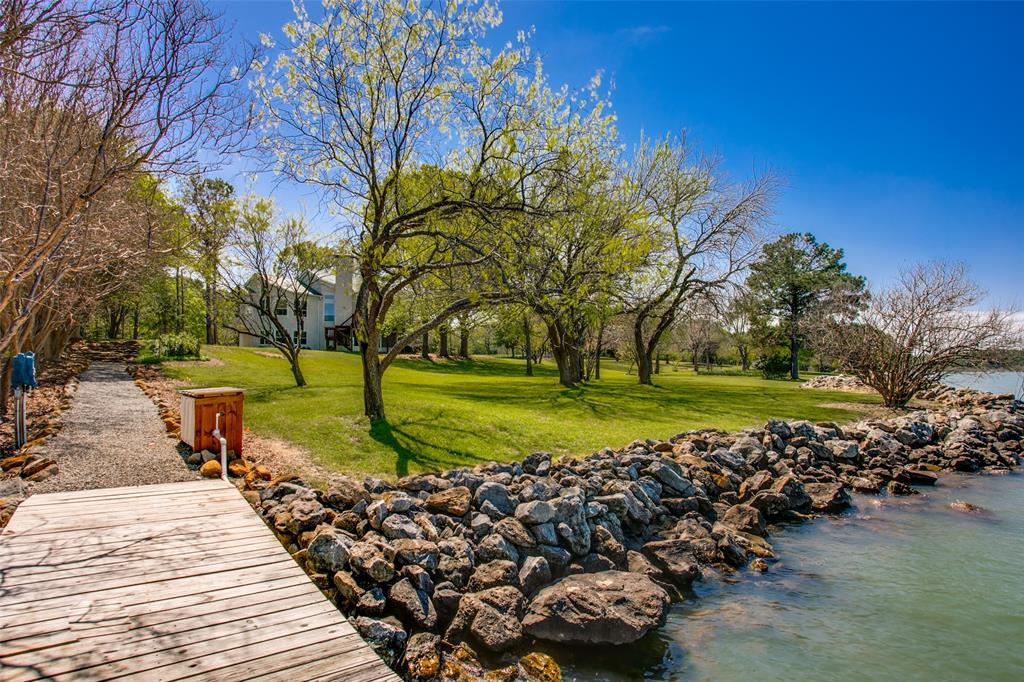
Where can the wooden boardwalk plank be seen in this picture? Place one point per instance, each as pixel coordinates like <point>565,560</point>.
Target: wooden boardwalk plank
<point>166,582</point>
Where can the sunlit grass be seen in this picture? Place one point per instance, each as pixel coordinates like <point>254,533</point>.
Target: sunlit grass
<point>449,414</point>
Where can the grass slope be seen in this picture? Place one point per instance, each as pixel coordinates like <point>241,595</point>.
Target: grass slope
<point>449,414</point>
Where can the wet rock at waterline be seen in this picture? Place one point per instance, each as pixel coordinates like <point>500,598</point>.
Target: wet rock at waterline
<point>611,607</point>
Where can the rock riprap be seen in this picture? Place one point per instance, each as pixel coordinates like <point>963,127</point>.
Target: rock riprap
<point>442,571</point>
<point>609,607</point>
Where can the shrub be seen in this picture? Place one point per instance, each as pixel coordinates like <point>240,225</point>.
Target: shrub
<point>775,366</point>
<point>176,346</point>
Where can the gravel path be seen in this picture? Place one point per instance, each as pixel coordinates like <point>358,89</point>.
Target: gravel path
<point>111,436</point>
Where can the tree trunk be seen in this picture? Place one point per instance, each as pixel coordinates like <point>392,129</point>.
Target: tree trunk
<point>208,300</point>
<point>179,302</point>
<point>644,361</point>
<point>528,346</point>
<point>135,323</point>
<point>597,358</point>
<point>443,350</point>
<point>463,342</point>
<point>744,358</point>
<point>425,346</point>
<point>794,350</point>
<point>794,339</point>
<point>657,363</point>
<point>568,366</point>
<point>293,359</point>
<point>567,356</point>
<point>373,395</point>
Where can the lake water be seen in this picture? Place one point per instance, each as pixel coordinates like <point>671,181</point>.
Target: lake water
<point>894,589</point>
<point>993,382</point>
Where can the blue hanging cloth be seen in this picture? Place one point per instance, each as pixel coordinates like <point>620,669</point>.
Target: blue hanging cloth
<point>23,371</point>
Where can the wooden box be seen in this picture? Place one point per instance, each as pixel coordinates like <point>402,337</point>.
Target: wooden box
<point>199,408</point>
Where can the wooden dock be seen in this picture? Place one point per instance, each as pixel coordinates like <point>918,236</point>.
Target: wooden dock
<point>180,581</point>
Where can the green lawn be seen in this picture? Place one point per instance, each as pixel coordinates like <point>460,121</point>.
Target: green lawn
<point>451,414</point>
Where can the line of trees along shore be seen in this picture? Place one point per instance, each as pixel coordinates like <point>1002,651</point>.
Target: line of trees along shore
<point>471,194</point>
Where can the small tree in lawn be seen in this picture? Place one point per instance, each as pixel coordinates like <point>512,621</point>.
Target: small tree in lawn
<point>697,333</point>
<point>704,231</point>
<point>794,275</point>
<point>738,327</point>
<point>911,334</point>
<point>271,269</point>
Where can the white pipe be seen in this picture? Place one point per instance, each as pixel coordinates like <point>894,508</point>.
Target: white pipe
<point>223,446</point>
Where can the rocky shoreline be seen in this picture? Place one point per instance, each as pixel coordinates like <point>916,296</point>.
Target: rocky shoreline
<point>451,576</point>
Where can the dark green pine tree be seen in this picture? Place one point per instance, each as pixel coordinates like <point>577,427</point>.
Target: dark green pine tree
<point>795,274</point>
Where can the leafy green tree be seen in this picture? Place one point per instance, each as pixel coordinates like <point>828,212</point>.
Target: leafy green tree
<point>367,102</point>
<point>794,275</point>
<point>565,263</point>
<point>211,210</point>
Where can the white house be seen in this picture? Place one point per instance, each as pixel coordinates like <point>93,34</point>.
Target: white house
<point>327,323</point>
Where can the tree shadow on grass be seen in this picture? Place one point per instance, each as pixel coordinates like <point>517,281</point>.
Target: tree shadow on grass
<point>396,439</point>
<point>699,404</point>
<point>479,367</point>
<point>266,394</point>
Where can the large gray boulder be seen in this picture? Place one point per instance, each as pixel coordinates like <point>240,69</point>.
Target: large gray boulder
<point>535,512</point>
<point>397,527</point>
<point>670,475</point>
<point>611,607</point>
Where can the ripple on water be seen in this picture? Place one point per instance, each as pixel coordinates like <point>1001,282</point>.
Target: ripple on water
<point>897,589</point>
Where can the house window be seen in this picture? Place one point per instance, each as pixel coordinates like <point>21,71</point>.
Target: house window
<point>283,306</point>
<point>328,307</point>
<point>278,335</point>
<point>302,339</point>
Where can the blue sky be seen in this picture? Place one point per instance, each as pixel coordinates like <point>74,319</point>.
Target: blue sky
<point>897,127</point>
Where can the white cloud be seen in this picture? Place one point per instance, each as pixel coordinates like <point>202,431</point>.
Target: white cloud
<point>642,33</point>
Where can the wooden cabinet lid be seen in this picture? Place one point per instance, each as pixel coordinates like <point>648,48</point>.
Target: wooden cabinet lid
<point>210,392</point>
